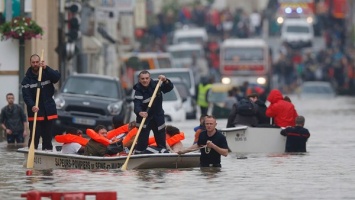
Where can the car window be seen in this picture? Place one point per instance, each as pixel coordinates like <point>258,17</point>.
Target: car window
<point>182,89</point>
<point>170,96</point>
<point>186,53</point>
<point>164,63</point>
<point>184,76</point>
<point>217,97</point>
<point>244,54</point>
<point>91,86</point>
<point>297,29</point>
<point>193,40</point>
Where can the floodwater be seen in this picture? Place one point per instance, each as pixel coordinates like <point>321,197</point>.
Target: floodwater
<point>327,171</point>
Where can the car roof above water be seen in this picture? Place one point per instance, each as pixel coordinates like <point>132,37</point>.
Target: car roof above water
<point>96,76</point>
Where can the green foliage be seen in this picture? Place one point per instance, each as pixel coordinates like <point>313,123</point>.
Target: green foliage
<point>20,28</point>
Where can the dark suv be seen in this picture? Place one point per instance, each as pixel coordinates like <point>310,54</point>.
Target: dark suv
<point>87,100</point>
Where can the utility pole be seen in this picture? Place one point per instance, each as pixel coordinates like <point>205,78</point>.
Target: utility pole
<point>21,56</point>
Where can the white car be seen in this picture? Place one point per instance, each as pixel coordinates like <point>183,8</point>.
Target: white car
<point>297,33</point>
<point>173,106</point>
<point>188,101</point>
<point>190,35</point>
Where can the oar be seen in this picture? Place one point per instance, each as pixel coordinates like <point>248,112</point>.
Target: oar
<point>31,150</point>
<point>124,166</point>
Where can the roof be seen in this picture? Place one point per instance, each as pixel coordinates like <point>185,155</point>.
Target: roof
<point>88,75</point>
<point>145,55</point>
<point>170,70</point>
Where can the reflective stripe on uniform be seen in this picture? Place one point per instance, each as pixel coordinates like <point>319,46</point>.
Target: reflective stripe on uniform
<point>34,85</point>
<point>42,118</point>
<point>161,127</point>
<point>138,97</point>
<point>147,100</point>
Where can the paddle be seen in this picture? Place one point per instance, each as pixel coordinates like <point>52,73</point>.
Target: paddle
<point>31,150</point>
<point>124,166</point>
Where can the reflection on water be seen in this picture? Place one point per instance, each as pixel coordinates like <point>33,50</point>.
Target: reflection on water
<point>327,171</point>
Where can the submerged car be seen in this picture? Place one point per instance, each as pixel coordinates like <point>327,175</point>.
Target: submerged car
<point>87,100</point>
<point>317,89</point>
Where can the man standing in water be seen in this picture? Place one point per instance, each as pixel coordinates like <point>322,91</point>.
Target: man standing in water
<point>13,120</point>
<point>296,136</point>
<point>211,143</point>
<point>46,110</point>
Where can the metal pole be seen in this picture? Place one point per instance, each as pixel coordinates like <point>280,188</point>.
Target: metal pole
<point>61,42</point>
<point>22,56</point>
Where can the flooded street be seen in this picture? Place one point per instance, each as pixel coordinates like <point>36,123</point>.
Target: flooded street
<point>327,171</point>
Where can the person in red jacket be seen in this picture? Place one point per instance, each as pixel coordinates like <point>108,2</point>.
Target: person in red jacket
<point>283,112</point>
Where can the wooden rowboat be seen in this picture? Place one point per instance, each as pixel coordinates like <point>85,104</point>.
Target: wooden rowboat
<point>58,160</point>
<point>245,139</point>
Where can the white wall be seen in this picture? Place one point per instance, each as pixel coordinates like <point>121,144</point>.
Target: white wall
<point>9,64</point>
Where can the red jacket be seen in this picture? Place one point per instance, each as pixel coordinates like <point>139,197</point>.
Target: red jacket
<point>282,111</point>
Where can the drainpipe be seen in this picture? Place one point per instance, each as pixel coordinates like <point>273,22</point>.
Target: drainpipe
<point>21,56</point>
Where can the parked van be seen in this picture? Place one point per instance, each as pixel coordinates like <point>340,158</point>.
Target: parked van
<point>297,33</point>
<point>182,57</point>
<point>191,36</point>
<point>245,60</point>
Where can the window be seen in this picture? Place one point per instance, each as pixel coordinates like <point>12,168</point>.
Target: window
<point>170,96</point>
<point>186,53</point>
<point>92,86</point>
<point>297,29</point>
<point>244,54</point>
<point>164,63</point>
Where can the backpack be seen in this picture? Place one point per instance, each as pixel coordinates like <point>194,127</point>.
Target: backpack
<point>246,108</point>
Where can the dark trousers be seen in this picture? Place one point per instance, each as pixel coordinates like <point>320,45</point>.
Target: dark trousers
<point>15,136</point>
<point>159,135</point>
<point>204,110</point>
<point>44,130</point>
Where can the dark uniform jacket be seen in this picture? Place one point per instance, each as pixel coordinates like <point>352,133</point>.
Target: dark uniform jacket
<point>142,97</point>
<point>296,138</point>
<point>46,104</point>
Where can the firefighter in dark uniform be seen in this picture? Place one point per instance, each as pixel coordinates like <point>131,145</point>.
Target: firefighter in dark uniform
<point>155,119</point>
<point>46,110</point>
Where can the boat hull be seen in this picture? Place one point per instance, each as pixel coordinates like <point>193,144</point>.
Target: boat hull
<point>57,160</point>
<point>244,139</point>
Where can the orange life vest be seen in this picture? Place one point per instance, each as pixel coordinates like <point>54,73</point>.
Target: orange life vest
<point>197,135</point>
<point>170,140</point>
<point>131,134</point>
<point>69,138</point>
<point>113,133</point>
<point>97,137</point>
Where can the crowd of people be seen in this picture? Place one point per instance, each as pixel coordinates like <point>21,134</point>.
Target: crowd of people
<point>292,66</point>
